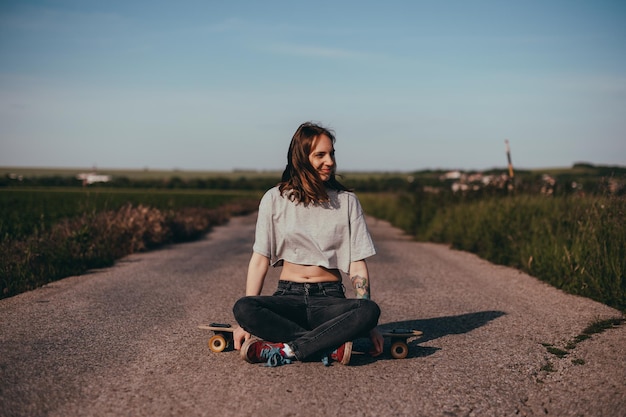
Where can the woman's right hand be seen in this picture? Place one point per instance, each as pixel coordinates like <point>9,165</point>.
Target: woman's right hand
<point>377,342</point>
<point>239,336</point>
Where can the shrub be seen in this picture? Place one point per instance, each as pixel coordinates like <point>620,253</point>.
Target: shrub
<point>97,239</point>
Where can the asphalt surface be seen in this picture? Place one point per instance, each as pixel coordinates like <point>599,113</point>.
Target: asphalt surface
<point>124,341</point>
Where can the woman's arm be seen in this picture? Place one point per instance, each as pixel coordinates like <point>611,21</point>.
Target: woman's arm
<point>257,270</point>
<point>359,276</point>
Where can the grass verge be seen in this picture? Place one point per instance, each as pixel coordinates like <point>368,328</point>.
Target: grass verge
<point>97,238</point>
<point>574,243</point>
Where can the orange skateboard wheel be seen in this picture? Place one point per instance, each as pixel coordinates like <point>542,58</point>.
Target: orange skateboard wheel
<point>217,343</point>
<point>399,350</point>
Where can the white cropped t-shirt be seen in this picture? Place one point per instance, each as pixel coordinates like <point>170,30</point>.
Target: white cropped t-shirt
<point>331,235</point>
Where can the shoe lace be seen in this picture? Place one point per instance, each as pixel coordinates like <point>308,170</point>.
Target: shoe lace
<point>326,360</point>
<point>274,357</point>
<point>330,356</point>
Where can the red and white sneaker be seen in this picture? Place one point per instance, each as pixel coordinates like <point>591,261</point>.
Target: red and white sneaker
<point>343,353</point>
<point>259,351</point>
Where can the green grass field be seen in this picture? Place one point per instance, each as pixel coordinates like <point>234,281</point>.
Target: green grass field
<point>28,210</point>
<point>576,243</point>
<point>47,234</point>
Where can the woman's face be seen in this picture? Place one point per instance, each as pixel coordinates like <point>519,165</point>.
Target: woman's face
<point>322,157</point>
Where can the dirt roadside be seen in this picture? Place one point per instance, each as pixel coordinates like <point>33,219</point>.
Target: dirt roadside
<point>124,341</point>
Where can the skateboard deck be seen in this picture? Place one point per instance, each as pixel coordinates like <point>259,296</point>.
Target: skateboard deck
<point>222,336</point>
<point>399,339</point>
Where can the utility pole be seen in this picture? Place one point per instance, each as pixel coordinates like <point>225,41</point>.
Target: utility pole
<point>508,157</point>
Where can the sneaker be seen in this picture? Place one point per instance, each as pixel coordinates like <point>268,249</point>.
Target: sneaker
<point>259,351</point>
<point>343,353</point>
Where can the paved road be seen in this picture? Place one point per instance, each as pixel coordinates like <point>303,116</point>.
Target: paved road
<point>124,342</point>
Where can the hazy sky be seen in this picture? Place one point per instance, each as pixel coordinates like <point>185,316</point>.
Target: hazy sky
<point>221,85</point>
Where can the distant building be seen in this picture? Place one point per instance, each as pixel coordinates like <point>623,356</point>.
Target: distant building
<point>91,177</point>
<point>451,175</point>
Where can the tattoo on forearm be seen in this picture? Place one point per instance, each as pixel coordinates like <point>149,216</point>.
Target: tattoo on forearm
<point>361,286</point>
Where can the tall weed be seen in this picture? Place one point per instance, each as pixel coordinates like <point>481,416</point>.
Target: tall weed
<point>96,239</point>
<point>575,243</point>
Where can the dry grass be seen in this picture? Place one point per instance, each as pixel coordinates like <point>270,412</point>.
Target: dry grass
<point>96,240</point>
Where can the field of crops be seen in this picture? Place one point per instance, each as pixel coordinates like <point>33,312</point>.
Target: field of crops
<point>576,243</point>
<point>47,234</point>
<point>24,211</point>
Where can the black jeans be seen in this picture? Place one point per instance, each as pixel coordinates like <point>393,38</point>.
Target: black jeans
<point>313,319</point>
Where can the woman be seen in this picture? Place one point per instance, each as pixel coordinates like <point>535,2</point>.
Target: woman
<point>314,227</point>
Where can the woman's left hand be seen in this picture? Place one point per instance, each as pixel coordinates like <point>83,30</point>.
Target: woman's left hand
<point>377,342</point>
<point>240,336</point>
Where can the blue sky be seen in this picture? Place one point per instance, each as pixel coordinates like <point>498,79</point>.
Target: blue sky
<point>221,85</point>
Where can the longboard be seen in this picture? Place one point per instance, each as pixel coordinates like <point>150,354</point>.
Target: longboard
<point>222,336</point>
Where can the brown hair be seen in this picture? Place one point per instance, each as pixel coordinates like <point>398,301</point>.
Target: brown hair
<point>299,177</point>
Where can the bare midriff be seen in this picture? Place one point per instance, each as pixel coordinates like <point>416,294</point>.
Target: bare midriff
<point>308,273</point>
